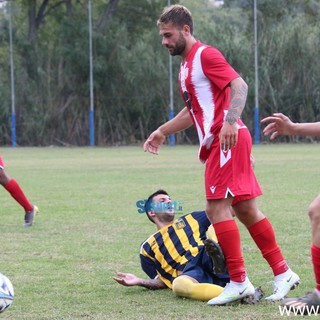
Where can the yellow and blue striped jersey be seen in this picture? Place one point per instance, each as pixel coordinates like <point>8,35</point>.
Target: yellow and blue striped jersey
<point>166,252</point>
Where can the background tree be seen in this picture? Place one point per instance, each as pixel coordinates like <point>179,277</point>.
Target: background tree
<point>131,75</point>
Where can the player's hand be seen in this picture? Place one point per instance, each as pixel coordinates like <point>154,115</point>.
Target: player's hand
<point>279,124</point>
<point>228,136</point>
<point>252,161</point>
<point>154,142</point>
<point>127,279</point>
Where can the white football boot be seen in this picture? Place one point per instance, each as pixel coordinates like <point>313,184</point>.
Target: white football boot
<point>233,291</point>
<point>283,283</point>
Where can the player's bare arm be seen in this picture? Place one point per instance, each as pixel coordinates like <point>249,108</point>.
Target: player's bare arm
<point>307,129</point>
<point>130,280</point>
<point>153,284</point>
<point>279,124</point>
<point>239,91</point>
<point>229,131</point>
<point>180,122</point>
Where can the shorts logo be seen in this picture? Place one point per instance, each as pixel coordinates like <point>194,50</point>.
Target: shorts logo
<point>212,189</point>
<point>224,157</point>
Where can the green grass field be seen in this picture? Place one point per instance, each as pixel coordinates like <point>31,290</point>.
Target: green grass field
<point>89,228</point>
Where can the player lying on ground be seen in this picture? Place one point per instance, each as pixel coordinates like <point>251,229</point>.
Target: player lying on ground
<point>175,256</point>
<point>279,124</point>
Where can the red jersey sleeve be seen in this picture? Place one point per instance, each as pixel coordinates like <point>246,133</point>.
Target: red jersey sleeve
<point>216,68</point>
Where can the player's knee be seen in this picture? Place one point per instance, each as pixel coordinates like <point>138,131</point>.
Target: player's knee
<point>314,211</point>
<point>3,177</point>
<point>181,286</point>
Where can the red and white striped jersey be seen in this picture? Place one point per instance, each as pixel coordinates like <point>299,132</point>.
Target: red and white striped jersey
<point>204,80</point>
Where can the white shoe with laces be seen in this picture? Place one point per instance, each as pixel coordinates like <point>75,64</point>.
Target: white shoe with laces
<point>283,283</point>
<point>233,291</point>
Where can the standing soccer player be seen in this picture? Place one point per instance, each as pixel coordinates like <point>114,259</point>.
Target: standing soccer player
<point>214,96</point>
<point>279,124</point>
<point>12,186</point>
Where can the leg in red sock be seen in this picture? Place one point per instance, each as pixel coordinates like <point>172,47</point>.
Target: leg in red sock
<point>285,279</point>
<point>315,255</point>
<point>263,235</point>
<point>228,236</point>
<point>16,192</point>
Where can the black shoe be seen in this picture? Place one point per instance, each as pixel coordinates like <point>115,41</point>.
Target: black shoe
<point>215,253</point>
<point>29,216</point>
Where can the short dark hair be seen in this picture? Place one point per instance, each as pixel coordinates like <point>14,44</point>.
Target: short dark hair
<point>147,204</point>
<point>178,15</point>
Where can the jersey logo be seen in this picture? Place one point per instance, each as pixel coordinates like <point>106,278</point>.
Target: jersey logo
<point>180,224</point>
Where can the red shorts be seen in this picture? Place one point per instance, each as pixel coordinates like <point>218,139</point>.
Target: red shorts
<point>1,163</point>
<point>231,173</point>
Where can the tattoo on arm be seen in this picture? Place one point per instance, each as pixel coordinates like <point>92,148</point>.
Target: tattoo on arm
<point>237,102</point>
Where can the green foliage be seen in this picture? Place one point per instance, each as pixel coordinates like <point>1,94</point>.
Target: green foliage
<point>131,72</point>
<point>287,66</point>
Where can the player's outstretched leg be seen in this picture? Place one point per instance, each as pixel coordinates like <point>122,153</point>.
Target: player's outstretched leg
<point>13,187</point>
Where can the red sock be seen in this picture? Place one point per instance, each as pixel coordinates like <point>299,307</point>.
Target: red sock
<point>315,255</point>
<point>263,235</point>
<point>228,236</point>
<point>16,192</point>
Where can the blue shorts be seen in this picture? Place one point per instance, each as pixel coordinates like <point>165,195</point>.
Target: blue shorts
<point>201,269</point>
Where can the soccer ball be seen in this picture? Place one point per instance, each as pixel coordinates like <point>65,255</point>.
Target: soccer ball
<point>6,293</point>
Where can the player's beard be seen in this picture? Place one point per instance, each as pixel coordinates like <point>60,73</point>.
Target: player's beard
<point>166,216</point>
<point>179,47</point>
